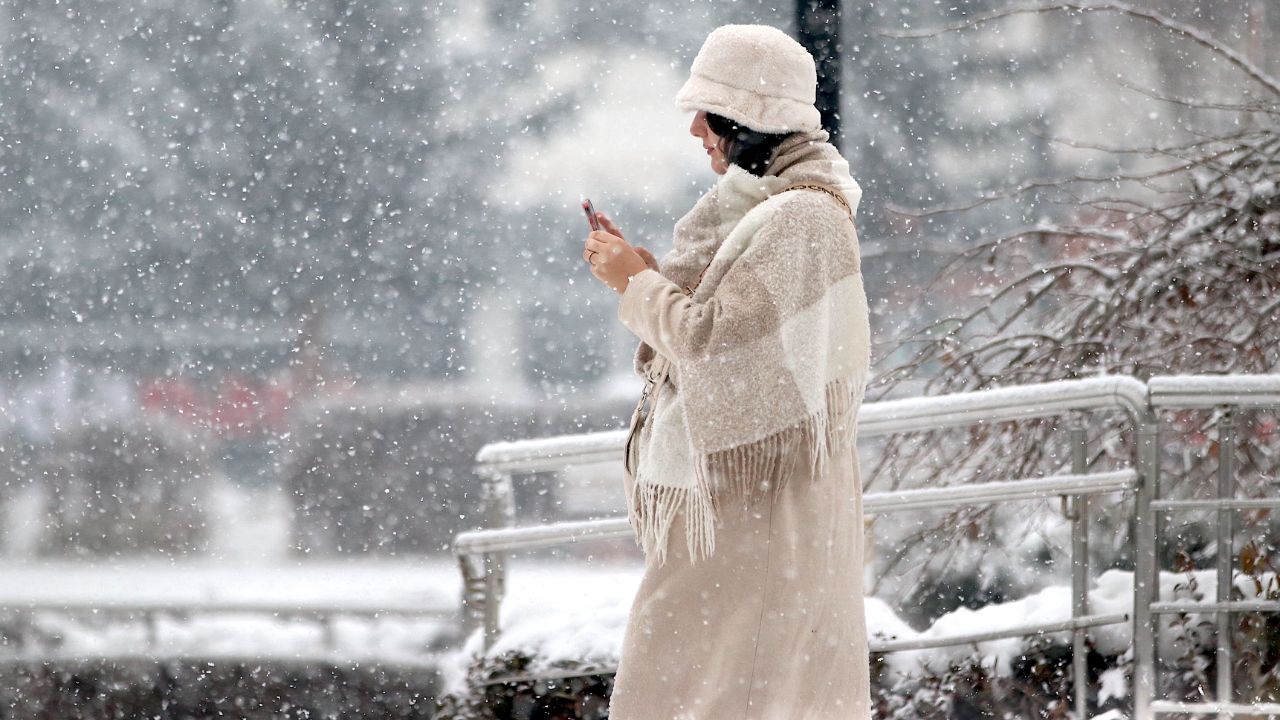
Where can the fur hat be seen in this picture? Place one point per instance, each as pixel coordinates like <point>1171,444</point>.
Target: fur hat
<point>755,75</point>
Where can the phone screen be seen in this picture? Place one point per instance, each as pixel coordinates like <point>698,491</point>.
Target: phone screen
<point>590,210</point>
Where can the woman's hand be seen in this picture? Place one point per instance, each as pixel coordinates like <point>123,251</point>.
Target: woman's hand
<point>613,260</point>
<point>607,223</point>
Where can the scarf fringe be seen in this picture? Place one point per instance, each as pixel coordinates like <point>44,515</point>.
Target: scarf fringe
<point>653,509</point>
<point>745,474</point>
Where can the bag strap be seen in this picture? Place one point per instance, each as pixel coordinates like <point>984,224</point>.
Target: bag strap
<point>828,189</point>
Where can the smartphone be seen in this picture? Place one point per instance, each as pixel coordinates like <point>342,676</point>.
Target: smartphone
<point>590,210</point>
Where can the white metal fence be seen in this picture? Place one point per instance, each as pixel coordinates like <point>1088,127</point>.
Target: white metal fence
<point>482,553</point>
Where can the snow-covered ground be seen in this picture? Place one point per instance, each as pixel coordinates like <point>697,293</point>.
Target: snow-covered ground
<point>390,610</point>
<point>361,583</point>
<point>385,610</point>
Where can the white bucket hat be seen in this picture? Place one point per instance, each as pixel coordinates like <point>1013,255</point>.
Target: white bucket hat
<point>755,75</point>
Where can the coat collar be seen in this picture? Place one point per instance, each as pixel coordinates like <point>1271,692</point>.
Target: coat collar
<point>800,157</point>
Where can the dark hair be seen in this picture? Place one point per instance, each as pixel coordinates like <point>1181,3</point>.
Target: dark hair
<point>750,150</point>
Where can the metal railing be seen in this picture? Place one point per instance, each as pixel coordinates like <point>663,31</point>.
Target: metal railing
<point>482,553</point>
<point>1225,394</point>
<point>323,614</point>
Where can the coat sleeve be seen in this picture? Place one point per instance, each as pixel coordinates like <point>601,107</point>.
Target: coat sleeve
<point>660,314</point>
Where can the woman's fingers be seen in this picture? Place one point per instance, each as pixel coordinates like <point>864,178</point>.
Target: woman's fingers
<point>612,259</point>
<point>607,223</point>
<point>601,243</point>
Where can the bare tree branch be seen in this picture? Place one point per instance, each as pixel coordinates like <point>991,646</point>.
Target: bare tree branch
<point>1187,31</point>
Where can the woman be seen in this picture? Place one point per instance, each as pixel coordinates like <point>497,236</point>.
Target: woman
<point>754,338</point>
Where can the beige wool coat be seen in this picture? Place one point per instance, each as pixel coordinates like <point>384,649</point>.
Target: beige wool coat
<point>772,626</point>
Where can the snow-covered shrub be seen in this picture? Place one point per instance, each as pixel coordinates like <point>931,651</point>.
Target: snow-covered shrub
<point>251,690</point>
<point>1038,687</point>
<point>585,697</point>
<point>1192,667</point>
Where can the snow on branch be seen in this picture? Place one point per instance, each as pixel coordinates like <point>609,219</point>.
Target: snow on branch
<point>1187,31</point>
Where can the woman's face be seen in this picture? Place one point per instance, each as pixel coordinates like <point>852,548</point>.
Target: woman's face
<point>711,142</point>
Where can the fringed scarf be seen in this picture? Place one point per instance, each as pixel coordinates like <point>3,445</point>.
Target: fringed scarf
<point>770,359</point>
